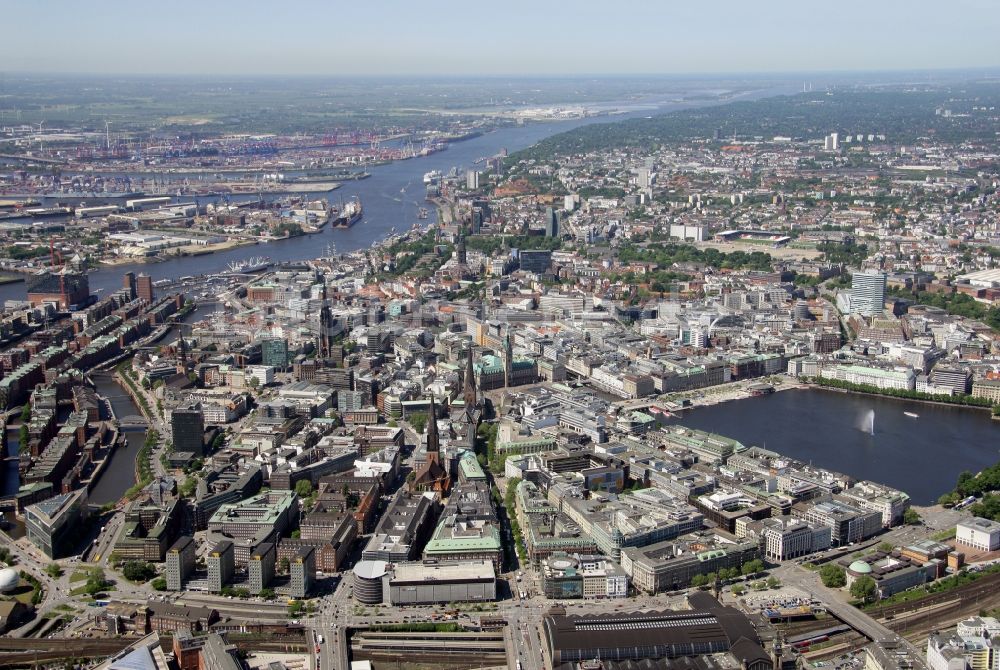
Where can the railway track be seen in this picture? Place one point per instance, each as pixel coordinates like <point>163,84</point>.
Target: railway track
<point>809,626</point>
<point>842,645</point>
<point>27,652</point>
<point>77,646</point>
<point>982,586</point>
<point>916,618</point>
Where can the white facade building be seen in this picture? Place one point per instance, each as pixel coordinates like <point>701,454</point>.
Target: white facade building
<point>264,374</point>
<point>979,533</point>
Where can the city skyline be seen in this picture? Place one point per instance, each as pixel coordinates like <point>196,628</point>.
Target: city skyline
<point>519,335</point>
<point>436,39</point>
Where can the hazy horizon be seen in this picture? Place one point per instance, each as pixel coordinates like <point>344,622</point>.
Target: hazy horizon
<point>989,71</point>
<point>517,39</point>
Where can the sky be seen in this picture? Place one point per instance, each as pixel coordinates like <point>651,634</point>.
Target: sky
<point>503,37</point>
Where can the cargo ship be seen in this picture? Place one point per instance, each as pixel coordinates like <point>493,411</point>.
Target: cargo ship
<point>350,214</point>
<point>255,264</point>
<point>46,212</point>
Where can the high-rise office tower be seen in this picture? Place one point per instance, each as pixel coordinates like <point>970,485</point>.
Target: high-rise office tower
<point>868,292</point>
<point>128,284</point>
<point>144,287</point>
<point>187,429</point>
<point>551,222</point>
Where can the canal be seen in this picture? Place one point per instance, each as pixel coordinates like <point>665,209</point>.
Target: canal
<point>921,455</point>
<point>9,483</point>
<point>119,476</point>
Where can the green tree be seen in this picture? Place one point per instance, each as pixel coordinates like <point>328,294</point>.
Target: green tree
<point>303,488</point>
<point>699,580</point>
<point>911,517</point>
<point>160,583</point>
<point>54,570</point>
<point>26,413</point>
<point>773,582</point>
<point>96,582</point>
<point>752,567</point>
<point>832,576</point>
<point>418,421</point>
<point>864,589</point>
<point>138,571</point>
<point>283,564</point>
<point>267,594</point>
<point>187,489</point>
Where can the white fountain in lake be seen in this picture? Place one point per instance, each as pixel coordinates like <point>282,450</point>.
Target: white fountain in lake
<point>867,422</point>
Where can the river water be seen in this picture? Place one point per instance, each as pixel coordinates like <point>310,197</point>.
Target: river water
<point>9,479</point>
<point>392,197</point>
<point>922,456</point>
<point>119,475</point>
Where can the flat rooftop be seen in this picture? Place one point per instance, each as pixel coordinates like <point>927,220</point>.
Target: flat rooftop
<point>442,572</point>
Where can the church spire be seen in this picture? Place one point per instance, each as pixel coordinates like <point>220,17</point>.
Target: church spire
<point>325,323</point>
<point>433,440</point>
<point>469,393</point>
<point>508,360</point>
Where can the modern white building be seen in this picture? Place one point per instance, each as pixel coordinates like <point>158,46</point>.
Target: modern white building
<point>785,540</point>
<point>979,533</point>
<point>264,374</point>
<point>684,232</point>
<point>644,178</point>
<point>868,292</point>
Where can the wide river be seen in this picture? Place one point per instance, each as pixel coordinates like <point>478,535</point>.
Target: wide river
<point>392,197</point>
<point>922,456</point>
